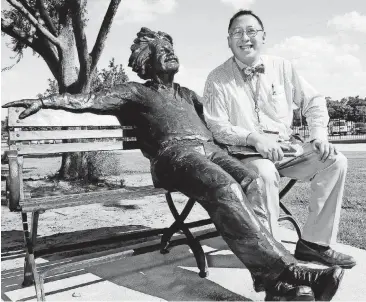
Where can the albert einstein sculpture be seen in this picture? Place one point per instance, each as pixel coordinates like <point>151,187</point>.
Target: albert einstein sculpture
<point>172,134</point>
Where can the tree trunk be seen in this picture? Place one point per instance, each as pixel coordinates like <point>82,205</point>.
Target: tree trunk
<point>56,31</point>
<point>74,165</point>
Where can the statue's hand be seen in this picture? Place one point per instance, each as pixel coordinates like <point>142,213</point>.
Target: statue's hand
<point>32,106</point>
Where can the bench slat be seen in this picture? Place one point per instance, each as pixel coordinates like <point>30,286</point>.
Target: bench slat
<point>72,200</point>
<point>64,134</point>
<point>59,118</point>
<point>69,147</point>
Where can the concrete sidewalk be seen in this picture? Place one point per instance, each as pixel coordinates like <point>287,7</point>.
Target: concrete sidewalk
<point>156,277</point>
<point>351,147</point>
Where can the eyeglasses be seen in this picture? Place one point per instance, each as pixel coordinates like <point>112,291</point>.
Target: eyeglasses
<point>239,33</point>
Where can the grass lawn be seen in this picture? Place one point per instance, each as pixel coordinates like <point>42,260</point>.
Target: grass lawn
<point>353,215</point>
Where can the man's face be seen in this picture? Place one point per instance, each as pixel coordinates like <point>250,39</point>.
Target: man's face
<point>246,48</point>
<point>164,59</point>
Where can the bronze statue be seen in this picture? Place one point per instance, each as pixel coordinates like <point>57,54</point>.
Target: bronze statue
<point>183,156</point>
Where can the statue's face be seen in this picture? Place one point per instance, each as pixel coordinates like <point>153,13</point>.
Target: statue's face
<point>164,59</point>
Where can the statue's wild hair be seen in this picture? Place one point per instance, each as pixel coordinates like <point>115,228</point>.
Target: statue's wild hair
<point>140,59</point>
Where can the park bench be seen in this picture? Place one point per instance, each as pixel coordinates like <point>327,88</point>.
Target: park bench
<point>59,126</point>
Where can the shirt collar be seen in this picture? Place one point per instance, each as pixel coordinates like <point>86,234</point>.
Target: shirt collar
<point>242,65</point>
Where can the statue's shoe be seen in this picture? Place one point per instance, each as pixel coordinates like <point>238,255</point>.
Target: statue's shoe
<point>283,291</point>
<point>328,257</point>
<point>323,282</point>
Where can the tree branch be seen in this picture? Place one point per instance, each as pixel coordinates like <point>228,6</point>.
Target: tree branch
<point>46,17</point>
<point>45,52</point>
<point>80,38</point>
<point>44,48</point>
<point>103,32</point>
<point>9,29</point>
<point>27,7</point>
<point>34,21</point>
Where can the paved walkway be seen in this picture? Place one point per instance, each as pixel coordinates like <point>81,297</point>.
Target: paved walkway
<point>351,147</point>
<point>156,277</point>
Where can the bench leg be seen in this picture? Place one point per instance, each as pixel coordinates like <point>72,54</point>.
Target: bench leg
<point>31,275</point>
<point>167,236</point>
<point>294,222</point>
<point>34,230</point>
<point>198,252</point>
<point>175,227</point>
<point>193,243</point>
<point>289,217</point>
<point>38,280</point>
<point>28,275</point>
<point>287,188</point>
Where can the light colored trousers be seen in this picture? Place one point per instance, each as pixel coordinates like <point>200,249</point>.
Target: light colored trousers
<point>327,184</point>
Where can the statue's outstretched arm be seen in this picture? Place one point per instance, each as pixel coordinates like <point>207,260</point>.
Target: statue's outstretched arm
<point>107,102</point>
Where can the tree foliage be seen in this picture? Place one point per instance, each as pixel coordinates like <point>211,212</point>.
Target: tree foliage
<point>55,30</point>
<point>350,108</point>
<point>107,78</point>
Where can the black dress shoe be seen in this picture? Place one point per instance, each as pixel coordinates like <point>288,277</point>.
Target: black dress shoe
<point>328,257</point>
<point>323,282</point>
<point>282,291</point>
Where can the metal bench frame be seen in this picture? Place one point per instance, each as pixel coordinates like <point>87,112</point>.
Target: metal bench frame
<point>19,201</point>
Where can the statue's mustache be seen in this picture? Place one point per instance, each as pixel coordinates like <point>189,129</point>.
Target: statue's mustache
<point>171,57</point>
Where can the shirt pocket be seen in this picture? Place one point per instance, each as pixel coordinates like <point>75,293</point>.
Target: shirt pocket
<point>279,101</point>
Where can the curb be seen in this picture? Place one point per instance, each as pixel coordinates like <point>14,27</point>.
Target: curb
<point>346,141</point>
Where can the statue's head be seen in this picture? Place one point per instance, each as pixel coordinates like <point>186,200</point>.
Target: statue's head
<point>153,53</point>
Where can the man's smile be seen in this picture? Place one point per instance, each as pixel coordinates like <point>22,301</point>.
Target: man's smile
<point>246,47</point>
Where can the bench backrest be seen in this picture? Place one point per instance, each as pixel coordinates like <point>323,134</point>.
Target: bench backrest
<point>53,131</point>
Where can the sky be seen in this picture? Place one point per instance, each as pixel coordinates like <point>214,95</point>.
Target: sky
<point>325,39</point>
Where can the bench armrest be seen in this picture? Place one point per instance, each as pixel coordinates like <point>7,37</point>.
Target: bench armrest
<point>15,180</point>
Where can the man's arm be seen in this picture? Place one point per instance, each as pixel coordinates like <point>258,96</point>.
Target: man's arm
<point>314,108</point>
<point>217,116</point>
<point>106,102</point>
<point>218,121</point>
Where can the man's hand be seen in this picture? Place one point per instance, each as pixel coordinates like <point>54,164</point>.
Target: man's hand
<point>325,149</point>
<point>32,105</point>
<point>268,148</point>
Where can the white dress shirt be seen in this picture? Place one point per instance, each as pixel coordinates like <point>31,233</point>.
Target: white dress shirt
<point>229,106</point>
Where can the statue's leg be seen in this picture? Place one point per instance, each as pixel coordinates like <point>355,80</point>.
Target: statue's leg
<point>250,181</point>
<point>254,189</point>
<point>221,195</point>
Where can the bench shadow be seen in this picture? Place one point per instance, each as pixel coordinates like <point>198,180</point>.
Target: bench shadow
<point>77,242</point>
<point>170,276</point>
<point>164,275</point>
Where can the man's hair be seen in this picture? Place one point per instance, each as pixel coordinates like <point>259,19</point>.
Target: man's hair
<point>140,59</point>
<point>245,12</point>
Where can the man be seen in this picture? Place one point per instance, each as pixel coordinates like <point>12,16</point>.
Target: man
<point>183,157</point>
<point>249,103</point>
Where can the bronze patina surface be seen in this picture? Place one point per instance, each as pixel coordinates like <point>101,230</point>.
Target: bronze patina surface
<point>183,156</point>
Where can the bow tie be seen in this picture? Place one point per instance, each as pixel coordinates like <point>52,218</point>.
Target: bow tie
<point>249,72</point>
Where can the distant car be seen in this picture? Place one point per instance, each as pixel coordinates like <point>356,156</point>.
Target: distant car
<point>337,127</point>
<point>359,128</point>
